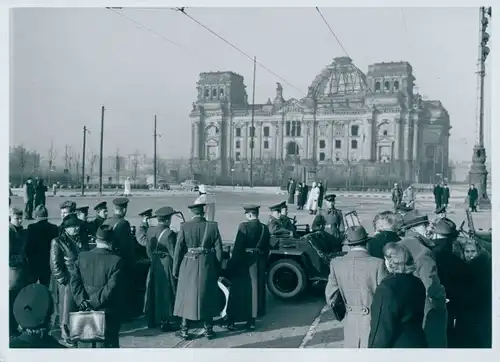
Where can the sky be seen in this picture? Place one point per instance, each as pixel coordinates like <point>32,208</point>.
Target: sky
<point>67,63</point>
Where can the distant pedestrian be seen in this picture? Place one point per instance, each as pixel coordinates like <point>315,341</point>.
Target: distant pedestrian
<point>397,194</point>
<point>29,197</point>
<point>127,188</point>
<point>292,185</point>
<point>446,196</point>
<point>209,202</point>
<point>312,200</point>
<point>438,195</point>
<point>473,196</point>
<point>40,190</point>
<point>321,194</point>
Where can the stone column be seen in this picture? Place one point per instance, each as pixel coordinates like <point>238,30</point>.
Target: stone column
<point>274,134</point>
<point>407,140</point>
<point>331,149</point>
<point>196,140</point>
<point>193,140</point>
<point>416,141</point>
<point>397,140</point>
<point>281,138</point>
<point>367,149</point>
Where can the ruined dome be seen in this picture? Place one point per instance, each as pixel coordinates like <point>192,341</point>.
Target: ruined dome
<point>340,78</point>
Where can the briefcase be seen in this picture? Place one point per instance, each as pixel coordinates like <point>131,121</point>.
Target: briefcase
<point>88,326</point>
<point>338,306</point>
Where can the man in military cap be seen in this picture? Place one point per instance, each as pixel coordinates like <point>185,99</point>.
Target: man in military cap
<point>32,311</point>
<point>452,272</point>
<point>98,282</point>
<point>82,212</point>
<point>101,210</point>
<point>275,223</point>
<point>122,237</point>
<point>161,284</point>
<point>143,228</point>
<point>19,272</point>
<point>286,221</point>
<point>355,277</point>
<point>197,265</point>
<point>334,219</point>
<point>247,270</point>
<point>435,316</point>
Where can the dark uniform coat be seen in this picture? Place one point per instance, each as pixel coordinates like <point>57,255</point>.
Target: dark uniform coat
<point>291,192</point>
<point>94,224</point>
<point>473,196</point>
<point>376,244</point>
<point>247,272</point>
<point>276,227</point>
<point>446,195</point>
<point>197,265</point>
<point>160,284</point>
<point>302,197</point>
<point>321,195</point>
<point>123,243</point>
<point>40,190</point>
<point>397,313</point>
<point>38,239</point>
<point>438,194</point>
<point>335,224</point>
<point>98,278</point>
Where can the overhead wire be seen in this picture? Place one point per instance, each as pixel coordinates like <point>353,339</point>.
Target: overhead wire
<point>183,11</point>
<point>331,30</point>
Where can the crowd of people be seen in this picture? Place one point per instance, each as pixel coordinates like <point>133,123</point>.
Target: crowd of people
<point>427,287</point>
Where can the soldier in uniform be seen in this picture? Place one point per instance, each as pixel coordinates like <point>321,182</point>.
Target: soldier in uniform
<point>286,222</point>
<point>143,228</point>
<point>197,265</point>
<point>123,241</point>
<point>247,270</point>
<point>101,210</point>
<point>82,212</point>
<point>334,219</point>
<point>275,224</point>
<point>160,283</point>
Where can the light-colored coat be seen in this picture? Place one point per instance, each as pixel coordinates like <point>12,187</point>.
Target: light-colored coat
<point>210,206</point>
<point>435,312</point>
<point>127,188</point>
<point>357,275</point>
<point>312,201</point>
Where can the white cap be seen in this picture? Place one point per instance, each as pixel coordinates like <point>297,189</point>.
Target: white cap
<point>201,189</point>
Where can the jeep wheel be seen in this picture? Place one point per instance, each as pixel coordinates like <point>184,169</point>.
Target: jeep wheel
<point>286,279</point>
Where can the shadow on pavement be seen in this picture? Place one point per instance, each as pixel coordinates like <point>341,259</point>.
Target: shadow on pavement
<point>287,342</point>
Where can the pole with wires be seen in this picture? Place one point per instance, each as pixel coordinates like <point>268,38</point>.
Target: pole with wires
<point>252,129</point>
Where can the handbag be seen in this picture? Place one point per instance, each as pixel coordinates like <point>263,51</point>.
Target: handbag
<point>87,326</point>
<point>338,306</point>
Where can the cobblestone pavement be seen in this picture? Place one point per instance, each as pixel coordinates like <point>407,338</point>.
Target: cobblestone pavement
<point>305,323</point>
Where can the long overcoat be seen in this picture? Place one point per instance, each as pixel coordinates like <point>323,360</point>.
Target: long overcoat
<point>247,272</point>
<point>435,312</point>
<point>160,283</point>
<point>357,275</point>
<point>398,313</point>
<point>291,192</point>
<point>445,198</point>
<point>312,201</point>
<point>303,195</point>
<point>38,240</point>
<point>197,265</point>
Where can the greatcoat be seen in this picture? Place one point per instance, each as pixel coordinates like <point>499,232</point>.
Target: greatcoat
<point>247,272</point>
<point>160,282</point>
<point>357,275</point>
<point>291,192</point>
<point>197,265</point>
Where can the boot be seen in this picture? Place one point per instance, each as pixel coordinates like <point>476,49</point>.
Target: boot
<point>230,325</point>
<point>184,330</point>
<point>209,330</point>
<point>250,324</point>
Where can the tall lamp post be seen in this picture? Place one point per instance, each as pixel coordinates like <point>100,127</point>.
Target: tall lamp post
<point>478,174</point>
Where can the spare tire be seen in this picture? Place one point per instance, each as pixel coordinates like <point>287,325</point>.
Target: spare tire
<point>286,279</point>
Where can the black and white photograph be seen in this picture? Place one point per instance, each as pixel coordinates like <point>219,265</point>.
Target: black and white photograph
<point>275,178</point>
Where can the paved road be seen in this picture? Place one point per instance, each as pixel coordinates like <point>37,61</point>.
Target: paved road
<point>305,324</point>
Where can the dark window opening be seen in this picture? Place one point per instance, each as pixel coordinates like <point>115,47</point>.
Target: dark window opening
<point>396,85</point>
<point>337,159</point>
<point>377,86</point>
<point>387,86</point>
<point>322,144</point>
<point>207,93</point>
<point>221,91</point>
<point>288,128</point>
<point>298,129</point>
<point>238,156</point>
<point>354,130</point>
<point>293,128</point>
<point>266,131</point>
<point>214,92</point>
<point>354,144</point>
<point>237,144</point>
<point>322,156</point>
<point>266,145</point>
<point>292,149</point>
<point>238,132</point>
<point>338,144</point>
<point>385,132</point>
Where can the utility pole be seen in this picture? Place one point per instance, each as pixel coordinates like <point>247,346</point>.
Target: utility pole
<point>85,130</point>
<point>252,129</point>
<point>101,149</point>
<point>154,155</point>
<point>478,175</point>
<point>117,166</point>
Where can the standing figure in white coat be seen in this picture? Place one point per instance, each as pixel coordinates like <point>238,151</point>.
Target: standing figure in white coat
<point>208,201</point>
<point>312,200</point>
<point>127,187</point>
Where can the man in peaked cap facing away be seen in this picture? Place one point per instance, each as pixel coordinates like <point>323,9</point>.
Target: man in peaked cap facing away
<point>197,265</point>
<point>101,210</point>
<point>143,228</point>
<point>208,201</point>
<point>161,284</point>
<point>435,315</point>
<point>32,310</point>
<point>68,241</point>
<point>354,277</point>
<point>98,283</point>
<point>123,241</point>
<point>452,271</point>
<point>275,224</point>
<point>247,270</point>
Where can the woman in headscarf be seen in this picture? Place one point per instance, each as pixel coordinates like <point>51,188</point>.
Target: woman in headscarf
<point>397,310</point>
<point>208,201</point>
<point>312,201</point>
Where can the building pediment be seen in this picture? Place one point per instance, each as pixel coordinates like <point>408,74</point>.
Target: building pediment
<point>292,106</point>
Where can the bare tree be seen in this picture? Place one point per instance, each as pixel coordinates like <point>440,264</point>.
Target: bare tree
<point>135,165</point>
<point>78,162</point>
<point>92,158</point>
<point>51,158</point>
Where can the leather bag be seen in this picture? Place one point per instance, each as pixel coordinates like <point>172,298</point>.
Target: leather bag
<point>338,306</point>
<point>87,326</point>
